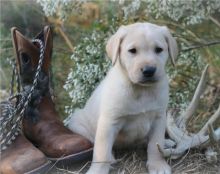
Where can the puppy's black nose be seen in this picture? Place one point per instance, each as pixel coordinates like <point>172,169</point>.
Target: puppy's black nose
<point>148,71</point>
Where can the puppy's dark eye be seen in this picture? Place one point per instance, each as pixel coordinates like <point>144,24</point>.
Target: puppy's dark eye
<point>133,50</point>
<point>158,50</point>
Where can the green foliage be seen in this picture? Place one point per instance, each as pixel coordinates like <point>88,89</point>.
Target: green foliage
<point>20,15</point>
<point>27,17</point>
<point>189,22</point>
<point>90,67</point>
<point>186,12</point>
<point>6,52</point>
<point>184,78</point>
<point>61,8</point>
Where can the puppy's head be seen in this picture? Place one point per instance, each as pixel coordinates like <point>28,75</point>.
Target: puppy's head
<point>142,49</point>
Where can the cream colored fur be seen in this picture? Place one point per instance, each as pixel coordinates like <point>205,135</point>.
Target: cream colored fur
<point>124,109</point>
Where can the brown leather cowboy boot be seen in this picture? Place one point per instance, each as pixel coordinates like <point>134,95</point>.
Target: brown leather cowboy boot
<point>22,157</point>
<point>41,123</point>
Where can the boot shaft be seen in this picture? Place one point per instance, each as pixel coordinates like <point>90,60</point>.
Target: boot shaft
<point>27,53</point>
<point>27,56</point>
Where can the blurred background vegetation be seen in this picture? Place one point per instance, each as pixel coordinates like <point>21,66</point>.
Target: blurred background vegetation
<point>82,27</point>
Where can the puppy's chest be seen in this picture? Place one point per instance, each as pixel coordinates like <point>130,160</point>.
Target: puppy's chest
<point>144,104</point>
<point>138,118</point>
<point>136,128</point>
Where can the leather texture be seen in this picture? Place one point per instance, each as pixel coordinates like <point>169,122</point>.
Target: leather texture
<point>21,157</point>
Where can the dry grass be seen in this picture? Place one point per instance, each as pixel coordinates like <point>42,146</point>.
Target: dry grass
<point>134,162</point>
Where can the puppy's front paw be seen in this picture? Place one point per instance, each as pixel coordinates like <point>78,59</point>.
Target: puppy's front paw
<point>158,167</point>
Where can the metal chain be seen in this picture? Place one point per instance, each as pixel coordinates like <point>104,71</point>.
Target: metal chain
<point>13,115</point>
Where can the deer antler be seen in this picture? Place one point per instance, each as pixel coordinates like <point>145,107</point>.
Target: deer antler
<point>181,122</point>
<point>177,129</point>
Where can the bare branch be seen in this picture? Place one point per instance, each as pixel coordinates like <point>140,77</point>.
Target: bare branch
<point>201,45</point>
<point>65,37</point>
<point>215,21</point>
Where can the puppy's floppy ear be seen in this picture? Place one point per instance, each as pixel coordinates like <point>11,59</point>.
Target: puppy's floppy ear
<point>113,44</point>
<point>172,45</point>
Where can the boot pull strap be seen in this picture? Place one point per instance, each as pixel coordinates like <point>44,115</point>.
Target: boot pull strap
<point>11,115</point>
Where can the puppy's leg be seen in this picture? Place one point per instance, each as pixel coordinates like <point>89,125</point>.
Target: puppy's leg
<point>156,163</point>
<point>106,133</point>
<point>78,124</point>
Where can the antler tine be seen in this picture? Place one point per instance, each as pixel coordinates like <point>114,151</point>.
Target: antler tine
<point>181,122</point>
<point>174,132</point>
<point>170,152</point>
<point>214,136</point>
<point>169,143</point>
<point>164,152</point>
<point>213,118</point>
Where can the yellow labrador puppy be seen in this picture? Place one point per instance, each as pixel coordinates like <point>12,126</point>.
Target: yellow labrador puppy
<point>129,105</point>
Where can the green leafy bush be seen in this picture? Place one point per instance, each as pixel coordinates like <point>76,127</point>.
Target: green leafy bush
<point>184,18</point>
<point>90,67</point>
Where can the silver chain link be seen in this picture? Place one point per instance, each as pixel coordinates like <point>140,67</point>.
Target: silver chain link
<point>11,115</point>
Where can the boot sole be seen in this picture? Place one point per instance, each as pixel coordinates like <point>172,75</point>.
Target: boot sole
<point>42,169</point>
<point>74,158</point>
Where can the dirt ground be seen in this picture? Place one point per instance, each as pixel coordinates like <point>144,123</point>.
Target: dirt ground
<point>134,162</point>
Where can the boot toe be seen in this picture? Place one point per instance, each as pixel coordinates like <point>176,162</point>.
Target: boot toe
<point>68,144</point>
<point>21,157</point>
